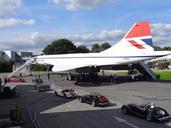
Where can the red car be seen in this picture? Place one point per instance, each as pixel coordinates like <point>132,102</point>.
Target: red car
<point>94,99</point>
<point>16,79</point>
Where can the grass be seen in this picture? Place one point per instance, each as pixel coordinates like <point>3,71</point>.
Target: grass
<point>164,74</point>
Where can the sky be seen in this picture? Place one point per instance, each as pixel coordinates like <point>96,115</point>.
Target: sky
<point>30,25</point>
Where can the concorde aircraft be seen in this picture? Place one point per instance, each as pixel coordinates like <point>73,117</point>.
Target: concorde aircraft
<point>135,46</point>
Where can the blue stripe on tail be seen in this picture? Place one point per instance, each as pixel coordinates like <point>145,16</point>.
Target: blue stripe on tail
<point>148,41</point>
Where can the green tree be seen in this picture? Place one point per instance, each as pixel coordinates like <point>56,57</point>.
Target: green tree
<point>6,66</point>
<point>82,49</point>
<point>167,48</point>
<point>38,67</point>
<point>158,48</point>
<point>95,48</point>
<point>105,46</point>
<point>61,46</point>
<point>162,64</point>
<point>99,48</point>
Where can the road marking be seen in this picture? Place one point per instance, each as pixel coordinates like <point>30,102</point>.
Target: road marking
<point>124,121</point>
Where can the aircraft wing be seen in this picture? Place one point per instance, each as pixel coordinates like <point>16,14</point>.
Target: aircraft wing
<point>167,57</point>
<point>63,63</point>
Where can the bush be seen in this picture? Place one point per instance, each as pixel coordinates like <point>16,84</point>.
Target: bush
<point>38,67</point>
<point>6,66</point>
<point>158,76</point>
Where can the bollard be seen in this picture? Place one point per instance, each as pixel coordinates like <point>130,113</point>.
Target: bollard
<point>18,113</point>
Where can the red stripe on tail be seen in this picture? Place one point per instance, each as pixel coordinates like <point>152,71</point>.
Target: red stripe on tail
<point>134,43</point>
<point>139,29</point>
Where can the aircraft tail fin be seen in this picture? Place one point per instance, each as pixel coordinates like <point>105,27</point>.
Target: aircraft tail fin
<point>138,38</point>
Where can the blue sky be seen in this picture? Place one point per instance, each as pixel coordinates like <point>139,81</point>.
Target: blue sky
<point>30,25</point>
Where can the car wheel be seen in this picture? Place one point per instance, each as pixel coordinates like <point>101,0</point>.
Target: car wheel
<point>65,95</point>
<point>124,110</point>
<point>148,116</point>
<point>56,93</point>
<point>93,103</point>
<point>81,99</point>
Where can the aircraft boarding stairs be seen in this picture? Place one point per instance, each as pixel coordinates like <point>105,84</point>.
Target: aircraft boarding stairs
<point>145,70</point>
<point>22,68</point>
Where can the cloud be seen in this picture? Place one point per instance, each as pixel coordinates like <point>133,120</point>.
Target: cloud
<point>36,41</point>
<point>11,22</point>
<point>161,34</point>
<point>55,1</point>
<point>74,5</point>
<point>9,6</point>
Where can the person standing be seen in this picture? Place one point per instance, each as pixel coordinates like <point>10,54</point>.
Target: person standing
<point>5,80</point>
<point>39,76</point>
<point>0,82</point>
<point>48,75</point>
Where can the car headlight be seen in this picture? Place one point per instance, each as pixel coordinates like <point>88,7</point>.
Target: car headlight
<point>161,112</point>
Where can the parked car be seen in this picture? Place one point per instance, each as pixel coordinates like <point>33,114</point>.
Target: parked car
<point>37,81</point>
<point>94,99</point>
<point>148,111</point>
<point>8,90</point>
<point>66,93</point>
<point>16,79</point>
<point>43,87</point>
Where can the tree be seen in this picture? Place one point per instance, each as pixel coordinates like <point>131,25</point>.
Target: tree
<point>95,48</point>
<point>37,67</point>
<point>162,64</point>
<point>99,48</point>
<point>158,48</point>
<point>61,46</point>
<point>167,48</point>
<point>82,49</point>
<point>6,66</point>
<point>105,46</point>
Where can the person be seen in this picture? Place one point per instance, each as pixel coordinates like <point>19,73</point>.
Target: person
<point>0,82</point>
<point>48,75</point>
<point>115,78</point>
<point>149,106</point>
<point>103,72</point>
<point>5,80</point>
<point>39,76</point>
<point>98,95</point>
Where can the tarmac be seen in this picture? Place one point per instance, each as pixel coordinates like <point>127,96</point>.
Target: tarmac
<point>45,110</point>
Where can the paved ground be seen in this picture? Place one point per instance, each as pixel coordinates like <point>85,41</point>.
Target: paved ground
<point>48,111</point>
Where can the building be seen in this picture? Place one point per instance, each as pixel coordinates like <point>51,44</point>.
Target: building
<point>26,54</point>
<point>10,55</point>
<point>2,56</point>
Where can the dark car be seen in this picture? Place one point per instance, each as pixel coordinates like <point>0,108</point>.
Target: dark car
<point>150,113</point>
<point>94,99</point>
